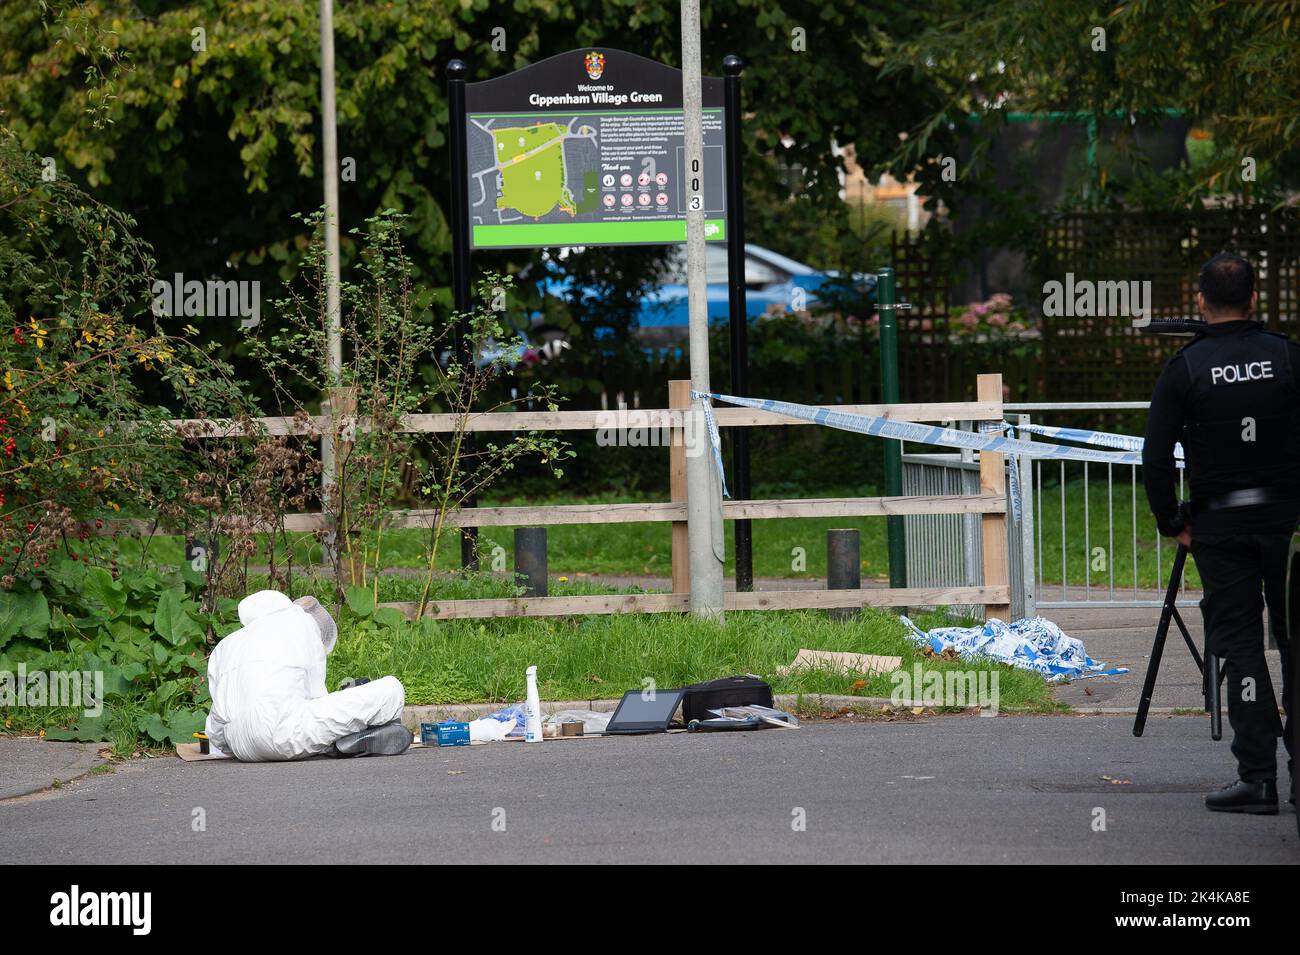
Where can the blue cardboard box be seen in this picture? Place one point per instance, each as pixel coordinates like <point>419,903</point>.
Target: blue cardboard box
<point>449,733</point>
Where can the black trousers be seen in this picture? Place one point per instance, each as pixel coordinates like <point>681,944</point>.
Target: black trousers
<point>1242,573</point>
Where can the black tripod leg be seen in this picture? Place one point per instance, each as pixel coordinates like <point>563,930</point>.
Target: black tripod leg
<point>1149,684</point>
<point>1191,644</point>
<point>1213,694</point>
<point>1168,611</point>
<point>1210,681</point>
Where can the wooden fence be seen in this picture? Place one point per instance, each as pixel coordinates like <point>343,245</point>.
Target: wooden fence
<point>990,503</point>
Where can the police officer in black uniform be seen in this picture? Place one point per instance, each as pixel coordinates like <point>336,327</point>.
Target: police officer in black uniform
<point>1232,398</point>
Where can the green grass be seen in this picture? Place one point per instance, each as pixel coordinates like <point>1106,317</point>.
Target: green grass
<point>1083,537</point>
<point>460,661</point>
<point>605,549</point>
<point>646,549</point>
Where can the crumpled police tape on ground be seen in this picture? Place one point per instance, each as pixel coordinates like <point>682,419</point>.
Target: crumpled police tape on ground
<point>1032,644</point>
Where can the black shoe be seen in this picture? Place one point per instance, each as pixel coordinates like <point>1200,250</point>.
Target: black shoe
<point>1257,799</point>
<point>391,739</point>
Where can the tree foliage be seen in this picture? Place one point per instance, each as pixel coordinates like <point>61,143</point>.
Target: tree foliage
<point>1232,68</point>
<point>211,139</point>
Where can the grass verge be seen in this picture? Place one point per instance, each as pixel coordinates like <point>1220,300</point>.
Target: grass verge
<point>578,658</point>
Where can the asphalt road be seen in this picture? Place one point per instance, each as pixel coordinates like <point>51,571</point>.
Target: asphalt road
<point>942,789</point>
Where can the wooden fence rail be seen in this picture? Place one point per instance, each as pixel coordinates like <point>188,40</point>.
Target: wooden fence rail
<point>990,504</point>
<point>650,418</point>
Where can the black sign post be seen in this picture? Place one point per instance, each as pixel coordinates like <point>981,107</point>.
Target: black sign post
<point>460,285</point>
<point>739,316</point>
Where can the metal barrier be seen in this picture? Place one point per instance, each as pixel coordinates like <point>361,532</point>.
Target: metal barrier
<point>1084,536</point>
<point>1118,561</point>
<point>944,550</point>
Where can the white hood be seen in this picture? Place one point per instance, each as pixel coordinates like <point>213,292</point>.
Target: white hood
<point>262,604</point>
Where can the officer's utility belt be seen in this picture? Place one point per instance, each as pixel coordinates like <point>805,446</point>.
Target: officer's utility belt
<point>1246,497</point>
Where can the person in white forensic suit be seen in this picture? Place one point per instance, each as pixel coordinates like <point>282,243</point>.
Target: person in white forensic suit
<point>267,682</point>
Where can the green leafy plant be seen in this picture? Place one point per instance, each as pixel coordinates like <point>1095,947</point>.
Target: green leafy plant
<point>361,601</point>
<point>138,636</point>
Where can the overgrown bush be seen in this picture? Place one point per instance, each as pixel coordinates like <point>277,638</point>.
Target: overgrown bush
<point>87,445</point>
<point>115,419</point>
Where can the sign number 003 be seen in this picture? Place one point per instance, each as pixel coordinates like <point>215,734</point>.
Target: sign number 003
<point>697,200</point>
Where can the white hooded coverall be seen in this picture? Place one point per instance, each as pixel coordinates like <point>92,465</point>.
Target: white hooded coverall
<point>267,682</point>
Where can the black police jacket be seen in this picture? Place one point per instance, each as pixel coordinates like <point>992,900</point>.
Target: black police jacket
<point>1232,398</point>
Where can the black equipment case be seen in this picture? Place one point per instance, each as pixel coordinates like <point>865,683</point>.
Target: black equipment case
<point>744,690</point>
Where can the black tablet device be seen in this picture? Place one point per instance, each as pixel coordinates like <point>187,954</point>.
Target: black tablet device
<point>638,713</point>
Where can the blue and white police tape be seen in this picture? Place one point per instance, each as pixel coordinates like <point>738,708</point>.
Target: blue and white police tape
<point>714,439</point>
<point>1032,644</point>
<point>927,434</point>
<point>1104,439</point>
<point>1013,466</point>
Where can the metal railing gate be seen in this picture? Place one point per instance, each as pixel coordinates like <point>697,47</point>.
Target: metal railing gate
<point>1083,535</point>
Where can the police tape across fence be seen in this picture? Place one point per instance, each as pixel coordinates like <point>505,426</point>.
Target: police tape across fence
<point>946,437</point>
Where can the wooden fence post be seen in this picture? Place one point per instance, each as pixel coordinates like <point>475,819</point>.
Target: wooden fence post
<point>679,396</point>
<point>993,480</point>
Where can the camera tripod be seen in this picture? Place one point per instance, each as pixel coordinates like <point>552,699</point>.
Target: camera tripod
<point>1209,667</point>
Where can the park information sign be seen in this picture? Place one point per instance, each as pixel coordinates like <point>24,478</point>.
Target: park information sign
<point>586,148</point>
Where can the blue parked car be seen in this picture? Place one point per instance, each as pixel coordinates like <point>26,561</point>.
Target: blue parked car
<point>772,282</point>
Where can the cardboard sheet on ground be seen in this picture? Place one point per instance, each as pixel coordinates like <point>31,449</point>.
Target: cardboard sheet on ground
<point>190,753</point>
<point>867,664</point>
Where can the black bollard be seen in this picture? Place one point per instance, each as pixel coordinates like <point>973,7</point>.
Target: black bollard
<point>530,560</point>
<point>843,567</point>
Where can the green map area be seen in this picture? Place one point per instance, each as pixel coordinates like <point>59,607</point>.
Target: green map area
<point>531,162</point>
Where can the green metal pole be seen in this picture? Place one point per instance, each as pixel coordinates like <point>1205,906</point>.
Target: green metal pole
<point>886,302</point>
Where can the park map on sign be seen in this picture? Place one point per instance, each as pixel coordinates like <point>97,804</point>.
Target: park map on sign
<point>588,148</point>
<point>530,174</point>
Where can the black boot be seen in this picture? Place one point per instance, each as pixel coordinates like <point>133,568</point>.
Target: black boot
<point>1258,799</point>
<point>391,739</point>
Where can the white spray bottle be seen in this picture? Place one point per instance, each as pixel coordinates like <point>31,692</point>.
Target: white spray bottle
<point>532,709</point>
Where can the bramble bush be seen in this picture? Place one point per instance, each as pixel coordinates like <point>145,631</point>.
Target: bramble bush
<point>86,440</point>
